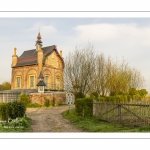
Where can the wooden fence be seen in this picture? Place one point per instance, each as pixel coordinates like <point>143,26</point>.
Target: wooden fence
<point>129,113</point>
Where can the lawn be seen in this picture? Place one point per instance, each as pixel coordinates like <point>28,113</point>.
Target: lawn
<point>93,124</point>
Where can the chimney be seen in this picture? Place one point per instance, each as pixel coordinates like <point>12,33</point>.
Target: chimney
<point>15,50</point>
<point>14,58</point>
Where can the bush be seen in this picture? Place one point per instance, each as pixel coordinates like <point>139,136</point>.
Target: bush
<point>34,105</point>
<point>79,106</point>
<point>46,102</point>
<point>84,107</point>
<point>101,99</point>
<point>16,109</point>
<point>4,114</point>
<point>12,109</point>
<point>25,99</point>
<point>94,95</point>
<point>79,95</point>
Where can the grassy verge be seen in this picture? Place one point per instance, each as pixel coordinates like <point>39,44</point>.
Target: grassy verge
<point>25,126</point>
<point>93,124</point>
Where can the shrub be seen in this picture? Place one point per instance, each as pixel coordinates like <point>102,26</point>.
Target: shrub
<point>16,109</point>
<point>12,109</point>
<point>79,95</point>
<point>34,105</point>
<point>46,102</point>
<point>4,114</point>
<point>94,95</point>
<point>79,106</point>
<point>25,99</point>
<point>101,99</point>
<point>84,106</point>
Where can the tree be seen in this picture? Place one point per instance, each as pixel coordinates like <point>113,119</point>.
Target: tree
<point>87,72</point>
<point>79,70</point>
<point>133,91</point>
<point>142,92</point>
<point>5,86</point>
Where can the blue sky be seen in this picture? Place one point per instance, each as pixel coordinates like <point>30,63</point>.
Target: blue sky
<point>127,38</point>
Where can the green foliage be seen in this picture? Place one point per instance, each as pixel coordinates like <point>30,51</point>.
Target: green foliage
<point>5,86</point>
<point>16,125</point>
<point>12,109</point>
<point>84,106</point>
<point>79,95</point>
<point>101,99</point>
<point>34,105</point>
<point>94,124</point>
<point>25,99</point>
<point>4,111</point>
<point>142,92</point>
<point>46,102</point>
<point>94,95</point>
<point>117,98</point>
<point>16,109</point>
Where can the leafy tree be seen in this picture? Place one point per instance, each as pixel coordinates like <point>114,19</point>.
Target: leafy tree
<point>133,91</point>
<point>87,72</point>
<point>142,92</point>
<point>5,86</point>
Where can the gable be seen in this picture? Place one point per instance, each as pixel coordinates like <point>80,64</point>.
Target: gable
<point>54,60</point>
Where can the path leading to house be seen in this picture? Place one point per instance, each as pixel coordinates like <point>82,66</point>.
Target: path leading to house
<point>50,120</point>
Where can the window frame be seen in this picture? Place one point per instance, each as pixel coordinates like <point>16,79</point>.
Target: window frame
<point>18,77</point>
<point>30,81</point>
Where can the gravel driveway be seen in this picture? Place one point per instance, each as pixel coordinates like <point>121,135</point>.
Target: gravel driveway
<point>50,120</point>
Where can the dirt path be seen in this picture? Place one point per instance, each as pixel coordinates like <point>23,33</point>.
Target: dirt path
<point>50,120</point>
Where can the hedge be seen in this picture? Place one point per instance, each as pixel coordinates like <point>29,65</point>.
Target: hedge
<point>84,106</point>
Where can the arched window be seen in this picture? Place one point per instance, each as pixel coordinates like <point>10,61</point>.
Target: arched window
<point>58,83</point>
<point>46,80</point>
<point>18,82</point>
<point>32,81</point>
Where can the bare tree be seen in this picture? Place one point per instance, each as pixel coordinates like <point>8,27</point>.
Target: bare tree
<point>79,69</point>
<point>87,72</point>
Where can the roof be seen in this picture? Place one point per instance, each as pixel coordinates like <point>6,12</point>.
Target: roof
<point>19,91</point>
<point>41,83</point>
<point>29,57</point>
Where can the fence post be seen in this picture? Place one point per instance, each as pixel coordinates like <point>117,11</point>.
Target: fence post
<point>119,112</point>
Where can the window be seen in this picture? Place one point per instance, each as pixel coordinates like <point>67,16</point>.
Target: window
<point>18,82</point>
<point>31,81</point>
<point>46,80</point>
<point>58,83</point>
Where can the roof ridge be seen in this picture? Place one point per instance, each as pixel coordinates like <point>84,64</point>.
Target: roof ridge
<point>35,48</point>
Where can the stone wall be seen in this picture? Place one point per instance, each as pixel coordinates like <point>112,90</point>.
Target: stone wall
<point>57,97</point>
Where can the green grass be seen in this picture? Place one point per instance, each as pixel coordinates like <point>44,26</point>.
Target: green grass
<point>93,124</point>
<point>26,127</point>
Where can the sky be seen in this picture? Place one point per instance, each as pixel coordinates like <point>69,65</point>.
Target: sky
<point>121,38</point>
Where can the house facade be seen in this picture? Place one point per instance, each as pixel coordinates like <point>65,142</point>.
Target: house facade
<point>27,67</point>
